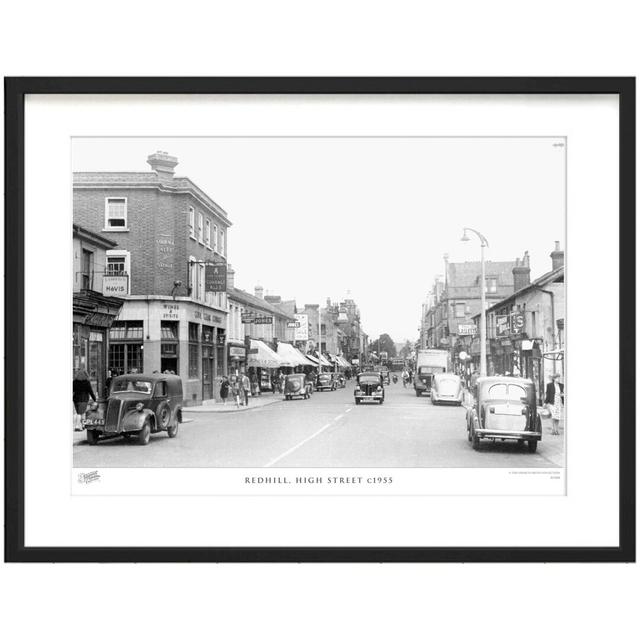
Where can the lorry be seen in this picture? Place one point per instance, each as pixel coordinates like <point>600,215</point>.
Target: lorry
<point>428,362</point>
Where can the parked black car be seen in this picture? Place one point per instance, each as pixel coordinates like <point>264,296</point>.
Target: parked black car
<point>138,404</point>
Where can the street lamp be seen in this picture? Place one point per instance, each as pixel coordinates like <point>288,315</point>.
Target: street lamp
<point>483,312</point>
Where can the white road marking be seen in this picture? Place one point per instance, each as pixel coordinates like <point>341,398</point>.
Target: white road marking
<point>303,442</point>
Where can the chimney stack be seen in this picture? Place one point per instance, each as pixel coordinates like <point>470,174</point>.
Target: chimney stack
<point>557,257</point>
<point>259,290</point>
<point>521,273</point>
<point>230,278</point>
<point>163,164</point>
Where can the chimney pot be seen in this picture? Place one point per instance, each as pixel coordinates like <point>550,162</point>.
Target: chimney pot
<point>521,272</point>
<point>163,164</point>
<point>557,257</point>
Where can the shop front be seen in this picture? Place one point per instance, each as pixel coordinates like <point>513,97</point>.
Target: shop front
<point>237,357</point>
<point>176,336</point>
<point>93,315</point>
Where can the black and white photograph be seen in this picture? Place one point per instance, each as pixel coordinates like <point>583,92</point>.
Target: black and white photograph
<point>362,319</point>
<point>330,302</point>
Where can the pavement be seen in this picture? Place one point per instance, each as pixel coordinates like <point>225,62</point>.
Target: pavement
<point>328,431</point>
<point>255,402</point>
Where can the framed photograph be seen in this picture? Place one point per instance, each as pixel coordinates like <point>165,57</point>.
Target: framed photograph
<point>320,319</point>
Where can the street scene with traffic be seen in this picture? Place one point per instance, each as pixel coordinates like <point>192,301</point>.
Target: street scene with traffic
<point>174,365</point>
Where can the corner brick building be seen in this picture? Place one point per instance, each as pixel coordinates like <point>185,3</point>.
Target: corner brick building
<point>165,229</point>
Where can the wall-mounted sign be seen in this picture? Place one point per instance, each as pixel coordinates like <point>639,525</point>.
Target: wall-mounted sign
<point>215,278</point>
<point>115,285</point>
<point>467,329</point>
<point>236,352</point>
<point>293,324</point>
<point>248,317</point>
<point>170,312</point>
<point>302,331</point>
<point>263,320</point>
<point>205,316</point>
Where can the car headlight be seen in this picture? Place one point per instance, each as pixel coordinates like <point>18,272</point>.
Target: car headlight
<point>93,405</point>
<point>139,406</point>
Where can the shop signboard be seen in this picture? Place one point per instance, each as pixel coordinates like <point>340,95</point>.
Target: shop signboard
<point>264,320</point>
<point>115,285</point>
<point>293,324</point>
<point>502,326</point>
<point>302,331</point>
<point>467,329</point>
<point>517,324</point>
<point>215,278</point>
<point>170,312</point>
<point>248,317</point>
<point>236,352</point>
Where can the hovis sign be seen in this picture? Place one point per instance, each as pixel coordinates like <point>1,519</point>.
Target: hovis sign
<point>115,285</point>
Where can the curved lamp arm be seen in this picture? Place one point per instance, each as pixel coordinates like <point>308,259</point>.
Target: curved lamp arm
<point>483,241</point>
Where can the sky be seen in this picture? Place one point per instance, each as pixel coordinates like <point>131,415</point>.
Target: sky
<point>367,218</point>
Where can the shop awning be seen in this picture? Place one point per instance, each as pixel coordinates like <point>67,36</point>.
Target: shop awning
<point>343,363</point>
<point>312,359</point>
<point>260,355</point>
<point>291,355</point>
<point>324,362</point>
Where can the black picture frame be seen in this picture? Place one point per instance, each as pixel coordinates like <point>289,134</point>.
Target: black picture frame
<point>15,91</point>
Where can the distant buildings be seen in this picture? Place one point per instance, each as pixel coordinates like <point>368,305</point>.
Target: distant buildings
<point>454,300</point>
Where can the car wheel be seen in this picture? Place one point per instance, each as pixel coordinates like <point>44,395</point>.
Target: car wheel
<point>381,400</point>
<point>475,439</point>
<point>172,430</point>
<point>92,436</point>
<point>468,434</point>
<point>357,400</point>
<point>164,416</point>
<point>533,445</point>
<point>417,394</point>
<point>144,434</point>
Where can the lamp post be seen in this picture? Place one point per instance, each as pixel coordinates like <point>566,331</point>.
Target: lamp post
<point>483,311</point>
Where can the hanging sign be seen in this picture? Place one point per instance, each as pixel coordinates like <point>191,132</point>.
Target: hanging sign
<point>215,278</point>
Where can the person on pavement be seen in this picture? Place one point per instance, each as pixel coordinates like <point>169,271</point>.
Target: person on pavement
<point>554,399</point>
<point>82,391</point>
<point>245,385</point>
<point>224,389</point>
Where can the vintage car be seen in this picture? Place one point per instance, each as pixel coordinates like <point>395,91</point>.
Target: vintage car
<point>296,385</point>
<point>325,381</point>
<point>446,388</point>
<point>138,404</point>
<point>504,408</point>
<point>369,386</point>
<point>340,380</point>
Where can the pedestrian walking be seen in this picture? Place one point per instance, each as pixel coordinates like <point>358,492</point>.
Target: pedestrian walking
<point>255,385</point>
<point>274,381</point>
<point>281,383</point>
<point>405,377</point>
<point>235,389</point>
<point>224,389</point>
<point>554,399</point>
<point>245,386</point>
<point>82,391</point>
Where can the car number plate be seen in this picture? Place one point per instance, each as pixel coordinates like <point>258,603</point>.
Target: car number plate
<point>509,411</point>
<point>93,422</point>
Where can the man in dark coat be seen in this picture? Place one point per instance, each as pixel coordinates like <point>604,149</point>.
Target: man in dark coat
<point>82,391</point>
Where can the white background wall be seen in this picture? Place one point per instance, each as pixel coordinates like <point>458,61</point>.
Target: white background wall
<point>334,38</point>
